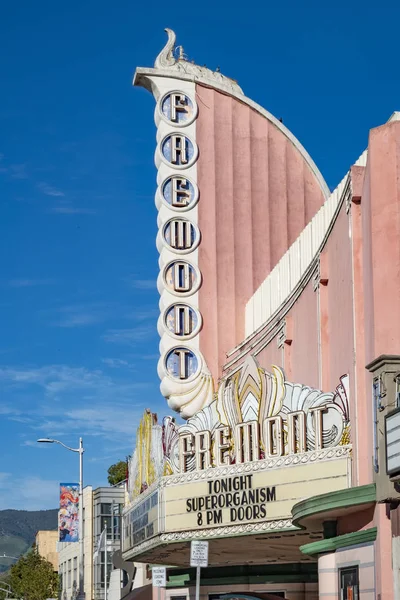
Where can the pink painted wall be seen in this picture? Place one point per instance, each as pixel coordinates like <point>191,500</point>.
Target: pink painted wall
<point>361,429</point>
<point>301,355</point>
<point>340,302</point>
<point>363,519</point>
<point>247,223</point>
<point>384,573</point>
<point>270,355</point>
<point>381,229</point>
<point>257,194</point>
<point>328,571</point>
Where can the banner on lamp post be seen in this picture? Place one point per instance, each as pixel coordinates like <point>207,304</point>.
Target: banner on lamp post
<point>68,516</point>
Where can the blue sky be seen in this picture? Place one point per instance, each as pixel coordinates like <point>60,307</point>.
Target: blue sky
<point>78,340</point>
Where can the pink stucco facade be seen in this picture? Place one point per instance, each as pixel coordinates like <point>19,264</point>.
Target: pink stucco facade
<point>343,318</point>
<point>328,570</point>
<point>257,194</point>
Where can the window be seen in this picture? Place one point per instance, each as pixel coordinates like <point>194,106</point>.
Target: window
<point>397,381</point>
<point>113,522</point>
<point>116,522</point>
<point>349,585</point>
<point>110,515</point>
<point>75,577</point>
<point>376,399</point>
<point>109,568</point>
<point>69,574</point>
<point>105,508</point>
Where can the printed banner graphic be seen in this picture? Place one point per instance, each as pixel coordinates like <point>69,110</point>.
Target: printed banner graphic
<point>68,517</point>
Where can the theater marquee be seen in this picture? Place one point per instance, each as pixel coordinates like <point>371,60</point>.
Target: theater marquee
<point>240,464</point>
<point>250,498</point>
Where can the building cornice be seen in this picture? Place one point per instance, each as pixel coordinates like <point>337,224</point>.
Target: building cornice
<point>341,541</point>
<point>383,360</point>
<point>316,506</point>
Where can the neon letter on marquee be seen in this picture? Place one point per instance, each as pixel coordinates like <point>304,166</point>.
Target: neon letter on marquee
<point>202,440</point>
<point>273,437</point>
<point>247,442</point>
<point>222,446</point>
<point>296,443</point>
<point>186,450</point>
<point>317,411</point>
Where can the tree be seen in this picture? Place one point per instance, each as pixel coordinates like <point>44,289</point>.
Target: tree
<point>5,586</point>
<point>33,578</point>
<point>118,472</point>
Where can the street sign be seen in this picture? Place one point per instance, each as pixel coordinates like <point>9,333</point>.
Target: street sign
<point>159,576</point>
<point>199,554</point>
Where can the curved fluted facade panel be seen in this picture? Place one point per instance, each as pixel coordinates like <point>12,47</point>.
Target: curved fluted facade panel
<point>257,195</point>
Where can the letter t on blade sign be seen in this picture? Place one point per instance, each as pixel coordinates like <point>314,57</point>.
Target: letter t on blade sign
<point>198,559</point>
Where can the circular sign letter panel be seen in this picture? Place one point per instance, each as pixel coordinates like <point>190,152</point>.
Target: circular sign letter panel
<point>179,193</point>
<point>181,363</point>
<point>180,235</point>
<point>181,278</point>
<point>178,150</point>
<point>177,108</point>
<point>182,321</point>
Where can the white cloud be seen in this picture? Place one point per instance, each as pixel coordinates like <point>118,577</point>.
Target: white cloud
<point>103,420</point>
<point>78,315</point>
<point>115,363</point>
<point>3,477</point>
<point>22,283</point>
<point>144,314</point>
<point>18,171</point>
<point>79,320</point>
<point>64,209</point>
<point>28,493</point>
<point>32,444</point>
<point>108,419</point>
<point>141,284</point>
<point>49,190</point>
<point>60,398</point>
<point>15,171</point>
<point>130,336</point>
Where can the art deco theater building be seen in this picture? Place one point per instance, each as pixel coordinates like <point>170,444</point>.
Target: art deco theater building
<point>280,330</point>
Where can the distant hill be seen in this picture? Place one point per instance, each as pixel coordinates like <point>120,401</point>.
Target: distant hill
<point>18,529</point>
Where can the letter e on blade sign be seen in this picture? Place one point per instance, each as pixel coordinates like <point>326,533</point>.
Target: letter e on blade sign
<point>199,554</point>
<point>159,576</point>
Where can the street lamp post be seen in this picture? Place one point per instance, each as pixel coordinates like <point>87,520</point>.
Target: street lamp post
<point>80,451</point>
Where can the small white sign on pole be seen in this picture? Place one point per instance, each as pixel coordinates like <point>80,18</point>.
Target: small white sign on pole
<point>159,576</point>
<point>199,554</point>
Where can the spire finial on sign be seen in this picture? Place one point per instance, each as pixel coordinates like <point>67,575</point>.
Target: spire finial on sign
<point>166,57</point>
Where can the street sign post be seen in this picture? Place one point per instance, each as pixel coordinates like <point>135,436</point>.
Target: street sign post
<point>199,554</point>
<point>198,559</point>
<point>159,576</point>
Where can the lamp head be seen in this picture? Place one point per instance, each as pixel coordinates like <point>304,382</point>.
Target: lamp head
<point>45,441</point>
